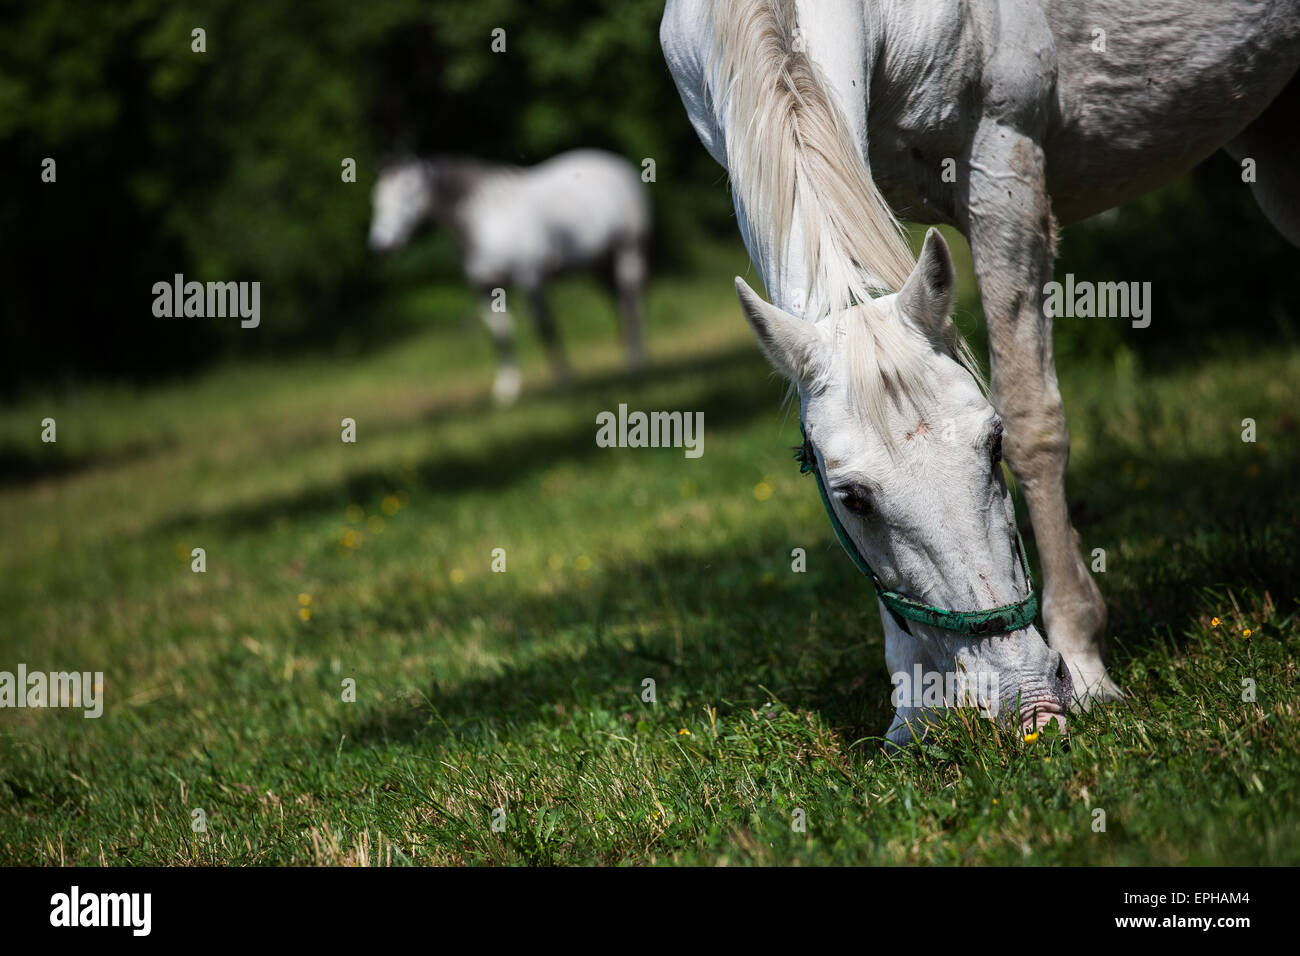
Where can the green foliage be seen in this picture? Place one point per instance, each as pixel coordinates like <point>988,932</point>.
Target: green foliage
<point>226,164</point>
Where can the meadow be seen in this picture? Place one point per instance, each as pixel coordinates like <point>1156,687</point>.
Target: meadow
<point>499,718</point>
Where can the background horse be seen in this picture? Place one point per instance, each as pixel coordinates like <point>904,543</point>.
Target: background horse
<point>1004,119</point>
<point>581,210</point>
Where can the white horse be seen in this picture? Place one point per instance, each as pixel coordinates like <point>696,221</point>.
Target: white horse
<point>581,210</point>
<point>1003,118</point>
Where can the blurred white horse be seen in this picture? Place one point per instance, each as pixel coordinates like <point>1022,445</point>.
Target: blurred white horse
<point>1003,118</point>
<point>581,210</point>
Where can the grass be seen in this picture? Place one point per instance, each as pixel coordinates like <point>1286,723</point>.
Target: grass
<point>523,690</point>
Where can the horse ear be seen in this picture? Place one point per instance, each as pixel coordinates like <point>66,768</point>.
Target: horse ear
<point>791,344</point>
<point>927,295</point>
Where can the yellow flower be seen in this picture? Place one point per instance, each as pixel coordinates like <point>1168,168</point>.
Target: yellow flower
<point>389,505</point>
<point>1030,738</point>
<point>1246,632</point>
<point>1214,622</point>
<point>762,491</point>
<point>304,599</point>
<point>683,732</point>
<point>304,614</point>
<point>995,801</point>
<point>582,562</point>
<point>457,576</point>
<point>375,524</point>
<point>350,539</point>
<point>555,562</point>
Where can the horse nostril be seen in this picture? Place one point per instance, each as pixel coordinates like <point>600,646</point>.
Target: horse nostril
<point>1060,667</point>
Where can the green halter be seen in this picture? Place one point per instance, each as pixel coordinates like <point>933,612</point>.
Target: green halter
<point>998,620</point>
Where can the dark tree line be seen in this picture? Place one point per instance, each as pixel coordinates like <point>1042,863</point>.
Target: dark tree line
<point>226,165</point>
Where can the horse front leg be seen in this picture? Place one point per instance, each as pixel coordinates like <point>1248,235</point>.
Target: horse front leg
<point>549,333</point>
<point>492,311</point>
<point>1011,236</point>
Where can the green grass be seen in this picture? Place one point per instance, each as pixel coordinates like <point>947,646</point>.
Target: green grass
<point>522,690</point>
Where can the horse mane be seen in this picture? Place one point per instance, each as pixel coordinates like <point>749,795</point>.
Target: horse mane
<point>454,179</point>
<point>787,139</point>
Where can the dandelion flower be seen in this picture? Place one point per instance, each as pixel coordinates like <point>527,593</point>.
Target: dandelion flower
<point>1030,738</point>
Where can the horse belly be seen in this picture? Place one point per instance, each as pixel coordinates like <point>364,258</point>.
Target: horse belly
<point>529,241</point>
<point>1158,90</point>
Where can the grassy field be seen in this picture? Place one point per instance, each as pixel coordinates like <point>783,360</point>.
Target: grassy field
<point>522,690</point>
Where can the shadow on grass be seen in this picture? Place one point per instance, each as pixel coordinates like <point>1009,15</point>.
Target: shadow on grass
<point>732,396</point>
<point>21,465</point>
<point>27,464</point>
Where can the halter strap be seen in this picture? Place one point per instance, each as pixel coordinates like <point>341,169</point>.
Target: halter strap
<point>998,620</point>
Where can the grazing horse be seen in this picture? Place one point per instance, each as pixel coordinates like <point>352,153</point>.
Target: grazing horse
<point>584,209</point>
<point>1003,118</point>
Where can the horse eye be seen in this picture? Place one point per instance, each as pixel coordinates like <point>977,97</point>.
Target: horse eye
<point>854,501</point>
<point>997,444</point>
